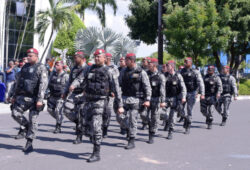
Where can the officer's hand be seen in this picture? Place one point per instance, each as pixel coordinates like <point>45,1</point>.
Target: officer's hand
<point>202,97</point>
<point>218,96</point>
<point>183,100</point>
<point>71,88</point>
<point>120,110</point>
<point>112,94</point>
<point>39,104</point>
<point>163,105</point>
<point>235,98</point>
<point>146,104</point>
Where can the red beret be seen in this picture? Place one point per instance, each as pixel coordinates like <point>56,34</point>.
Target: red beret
<point>108,55</point>
<point>171,62</point>
<point>226,67</point>
<point>130,55</point>
<point>90,64</point>
<point>32,50</point>
<point>122,58</point>
<point>99,51</point>
<point>80,53</point>
<point>188,59</point>
<point>153,60</point>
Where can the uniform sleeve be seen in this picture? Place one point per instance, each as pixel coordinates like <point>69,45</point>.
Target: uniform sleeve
<point>162,88</point>
<point>183,87</point>
<point>234,85</point>
<point>65,81</point>
<point>14,89</point>
<point>43,83</point>
<point>146,86</point>
<point>115,88</point>
<point>219,85</point>
<point>200,83</point>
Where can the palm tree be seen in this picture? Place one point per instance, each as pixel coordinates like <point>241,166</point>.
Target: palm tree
<point>58,16</point>
<point>81,5</point>
<point>101,9</point>
<point>93,38</point>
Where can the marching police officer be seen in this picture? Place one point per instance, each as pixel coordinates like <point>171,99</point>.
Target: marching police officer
<point>28,95</point>
<point>157,82</point>
<point>213,90</point>
<point>229,89</point>
<point>175,94</point>
<point>75,99</point>
<point>135,86</point>
<point>57,84</point>
<point>194,84</point>
<point>98,84</point>
<point>122,64</point>
<point>109,106</point>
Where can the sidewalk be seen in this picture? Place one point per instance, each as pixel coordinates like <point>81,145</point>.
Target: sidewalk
<point>5,108</point>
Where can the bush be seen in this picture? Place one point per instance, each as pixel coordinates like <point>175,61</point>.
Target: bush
<point>244,87</point>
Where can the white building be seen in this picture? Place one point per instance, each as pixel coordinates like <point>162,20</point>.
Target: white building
<point>13,17</point>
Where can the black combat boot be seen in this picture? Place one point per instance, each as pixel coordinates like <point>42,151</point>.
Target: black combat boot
<point>186,125</point>
<point>131,143</point>
<point>180,120</point>
<point>78,139</point>
<point>224,120</point>
<point>209,123</point>
<point>151,138</point>
<point>127,131</point>
<point>105,132</point>
<point>170,134</point>
<point>58,128</point>
<point>28,147</point>
<point>21,134</point>
<point>95,156</point>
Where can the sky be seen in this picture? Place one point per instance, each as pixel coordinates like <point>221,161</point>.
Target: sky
<point>118,24</point>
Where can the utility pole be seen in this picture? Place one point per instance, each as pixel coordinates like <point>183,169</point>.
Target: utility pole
<point>160,35</point>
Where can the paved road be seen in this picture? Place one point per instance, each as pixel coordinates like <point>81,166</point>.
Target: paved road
<point>220,148</point>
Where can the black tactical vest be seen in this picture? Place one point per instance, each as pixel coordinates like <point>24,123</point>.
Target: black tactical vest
<point>55,85</point>
<point>28,84</point>
<point>155,83</point>
<point>190,79</point>
<point>132,83</point>
<point>173,85</point>
<point>210,85</point>
<point>227,87</point>
<point>75,72</point>
<point>98,81</point>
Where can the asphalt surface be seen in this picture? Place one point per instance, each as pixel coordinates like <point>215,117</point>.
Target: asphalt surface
<point>220,148</point>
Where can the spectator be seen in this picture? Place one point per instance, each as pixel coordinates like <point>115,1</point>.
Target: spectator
<point>17,68</point>
<point>10,79</point>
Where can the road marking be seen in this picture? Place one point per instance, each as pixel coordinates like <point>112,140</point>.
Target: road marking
<point>240,156</point>
<point>148,160</point>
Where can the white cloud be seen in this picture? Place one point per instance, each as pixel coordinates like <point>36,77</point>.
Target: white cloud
<point>117,23</point>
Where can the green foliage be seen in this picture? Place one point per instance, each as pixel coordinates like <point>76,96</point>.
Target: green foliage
<point>66,38</point>
<point>244,88</point>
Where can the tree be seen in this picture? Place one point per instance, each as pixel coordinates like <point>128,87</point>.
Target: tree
<point>143,20</point>
<point>66,39</point>
<point>81,5</point>
<point>190,29</point>
<point>58,16</point>
<point>101,10</point>
<point>93,38</point>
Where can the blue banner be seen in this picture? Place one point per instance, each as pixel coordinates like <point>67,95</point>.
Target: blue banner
<point>247,69</point>
<point>223,59</point>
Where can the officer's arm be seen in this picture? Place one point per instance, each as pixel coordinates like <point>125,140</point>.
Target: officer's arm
<point>219,85</point>
<point>183,87</point>
<point>146,86</point>
<point>200,83</point>
<point>115,87</point>
<point>234,86</point>
<point>14,89</point>
<point>162,88</point>
<point>65,81</point>
<point>43,83</point>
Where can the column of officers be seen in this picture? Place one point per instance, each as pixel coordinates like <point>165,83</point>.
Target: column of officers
<point>89,95</point>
